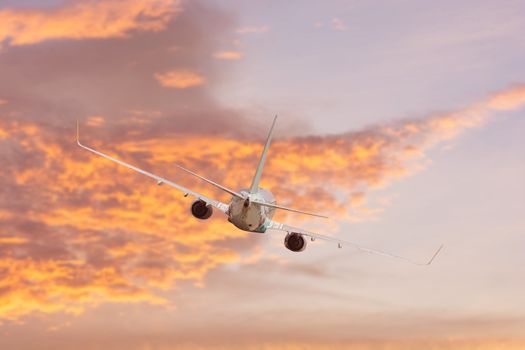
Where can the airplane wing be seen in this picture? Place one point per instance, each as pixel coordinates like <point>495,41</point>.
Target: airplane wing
<point>160,181</point>
<point>340,243</point>
<point>225,189</point>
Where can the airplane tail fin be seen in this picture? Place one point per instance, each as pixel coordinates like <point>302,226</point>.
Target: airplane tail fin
<point>257,177</point>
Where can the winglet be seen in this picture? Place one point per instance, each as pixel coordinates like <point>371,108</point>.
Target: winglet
<point>78,133</point>
<point>435,254</point>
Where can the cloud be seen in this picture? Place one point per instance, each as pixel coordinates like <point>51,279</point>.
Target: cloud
<point>3,102</point>
<point>50,286</point>
<point>432,344</point>
<point>336,24</point>
<point>180,79</point>
<point>396,345</point>
<point>93,238</point>
<point>339,25</point>
<point>228,55</point>
<point>65,259</point>
<point>12,240</point>
<point>78,231</point>
<point>92,19</point>
<point>95,120</point>
<point>507,100</point>
<point>253,30</point>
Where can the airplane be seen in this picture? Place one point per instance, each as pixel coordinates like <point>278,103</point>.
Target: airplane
<point>252,209</point>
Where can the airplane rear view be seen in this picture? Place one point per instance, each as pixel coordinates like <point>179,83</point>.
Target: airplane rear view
<point>252,209</point>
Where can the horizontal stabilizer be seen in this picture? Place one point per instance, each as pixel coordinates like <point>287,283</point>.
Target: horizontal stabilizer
<point>288,209</point>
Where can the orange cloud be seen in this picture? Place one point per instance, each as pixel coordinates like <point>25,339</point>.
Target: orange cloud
<point>95,120</point>
<point>3,102</point>
<point>86,20</point>
<point>431,344</point>
<point>50,286</point>
<point>79,231</point>
<point>12,240</point>
<point>228,55</point>
<point>507,100</point>
<point>180,79</point>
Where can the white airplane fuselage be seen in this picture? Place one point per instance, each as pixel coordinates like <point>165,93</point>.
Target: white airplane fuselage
<point>249,216</point>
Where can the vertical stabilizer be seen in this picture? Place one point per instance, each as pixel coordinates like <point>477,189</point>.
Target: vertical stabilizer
<point>255,183</point>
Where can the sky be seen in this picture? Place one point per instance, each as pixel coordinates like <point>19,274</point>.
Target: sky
<point>401,120</point>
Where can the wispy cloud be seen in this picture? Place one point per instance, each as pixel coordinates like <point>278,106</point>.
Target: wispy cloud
<point>507,100</point>
<point>228,55</point>
<point>335,24</point>
<point>12,240</point>
<point>430,344</point>
<point>339,25</point>
<point>95,120</point>
<point>85,20</point>
<point>180,79</point>
<point>253,29</point>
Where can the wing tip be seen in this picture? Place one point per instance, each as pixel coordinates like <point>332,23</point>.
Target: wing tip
<point>78,134</point>
<point>435,255</point>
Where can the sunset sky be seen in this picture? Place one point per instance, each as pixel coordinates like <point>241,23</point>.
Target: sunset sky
<point>401,120</point>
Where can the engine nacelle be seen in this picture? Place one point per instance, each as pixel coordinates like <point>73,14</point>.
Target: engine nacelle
<point>295,242</point>
<point>201,210</point>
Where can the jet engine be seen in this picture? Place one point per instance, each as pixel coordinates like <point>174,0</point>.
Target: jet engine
<point>201,210</point>
<point>295,242</point>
